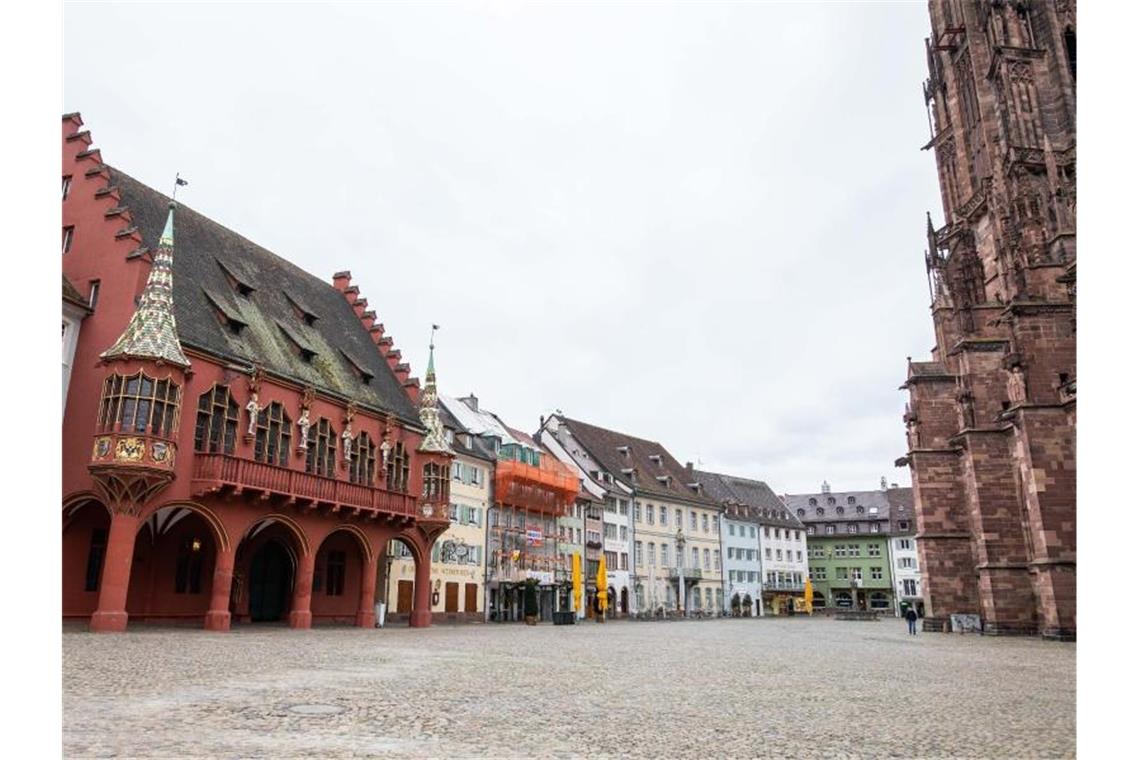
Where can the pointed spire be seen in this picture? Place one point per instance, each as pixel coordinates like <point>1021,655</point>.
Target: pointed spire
<point>434,441</point>
<point>151,333</point>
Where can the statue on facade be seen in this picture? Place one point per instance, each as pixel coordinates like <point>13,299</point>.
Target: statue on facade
<point>303,419</point>
<point>1015,385</point>
<point>253,409</point>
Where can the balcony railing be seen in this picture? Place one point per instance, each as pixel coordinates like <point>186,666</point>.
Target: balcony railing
<point>211,471</point>
<point>785,586</point>
<point>689,573</point>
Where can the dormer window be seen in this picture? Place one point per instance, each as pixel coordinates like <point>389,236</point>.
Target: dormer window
<point>812,502</point>
<point>240,286</point>
<point>656,459</point>
<point>859,509</point>
<point>800,512</point>
<point>831,501</point>
<point>839,510</point>
<point>364,374</point>
<point>300,348</point>
<point>663,479</point>
<point>819,511</point>
<point>623,450</point>
<point>850,499</point>
<point>303,313</point>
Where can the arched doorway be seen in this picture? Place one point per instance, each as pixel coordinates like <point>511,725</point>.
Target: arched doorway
<point>172,570</point>
<point>611,602</point>
<point>270,583</point>
<point>266,570</point>
<point>86,524</point>
<point>396,571</point>
<point>624,600</point>
<point>817,600</point>
<point>339,578</point>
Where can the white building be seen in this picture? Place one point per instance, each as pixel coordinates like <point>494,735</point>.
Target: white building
<point>769,561</point>
<point>903,550</point>
<point>75,308</point>
<point>617,528</point>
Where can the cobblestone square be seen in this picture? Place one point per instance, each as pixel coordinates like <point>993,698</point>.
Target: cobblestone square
<point>731,688</point>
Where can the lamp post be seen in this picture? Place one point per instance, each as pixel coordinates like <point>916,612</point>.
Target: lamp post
<point>681,572</point>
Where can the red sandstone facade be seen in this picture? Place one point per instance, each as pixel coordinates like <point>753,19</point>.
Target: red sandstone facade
<point>215,515</point>
<point>991,420</point>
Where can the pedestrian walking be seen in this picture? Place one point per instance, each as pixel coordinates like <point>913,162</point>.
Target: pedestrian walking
<point>911,621</point>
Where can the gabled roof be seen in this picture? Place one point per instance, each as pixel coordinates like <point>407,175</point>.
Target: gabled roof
<point>208,255</point>
<point>607,447</point>
<point>481,448</point>
<point>760,503</point>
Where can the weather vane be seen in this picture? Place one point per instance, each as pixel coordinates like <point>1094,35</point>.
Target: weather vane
<point>431,341</point>
<point>178,182</point>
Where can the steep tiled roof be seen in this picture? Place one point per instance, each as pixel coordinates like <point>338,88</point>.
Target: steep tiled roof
<point>760,502</point>
<point>875,506</point>
<point>481,448</point>
<point>902,507</point>
<point>604,446</point>
<point>212,264</point>
<point>72,295</point>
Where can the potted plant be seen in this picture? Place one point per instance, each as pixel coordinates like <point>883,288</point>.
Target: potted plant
<point>530,601</point>
<point>736,605</point>
<point>746,605</point>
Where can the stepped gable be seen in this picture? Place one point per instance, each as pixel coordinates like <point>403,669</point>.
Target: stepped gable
<point>342,281</point>
<point>239,302</point>
<point>603,445</point>
<point>762,504</point>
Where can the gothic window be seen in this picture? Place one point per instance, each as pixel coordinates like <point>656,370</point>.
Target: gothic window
<point>398,466</point>
<point>271,443</point>
<point>188,569</point>
<point>95,552</point>
<point>334,573</point>
<point>139,404</point>
<point>320,458</point>
<point>434,481</point>
<point>362,468</point>
<point>216,426</point>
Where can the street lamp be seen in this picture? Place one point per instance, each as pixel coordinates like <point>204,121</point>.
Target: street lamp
<point>681,571</point>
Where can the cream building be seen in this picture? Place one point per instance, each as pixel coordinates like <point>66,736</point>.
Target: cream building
<point>674,527</point>
<point>459,555</point>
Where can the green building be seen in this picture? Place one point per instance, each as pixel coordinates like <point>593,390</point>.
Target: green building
<point>848,537</point>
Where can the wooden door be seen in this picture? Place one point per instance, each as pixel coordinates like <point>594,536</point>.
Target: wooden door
<point>404,597</point>
<point>471,602</point>
<point>451,597</point>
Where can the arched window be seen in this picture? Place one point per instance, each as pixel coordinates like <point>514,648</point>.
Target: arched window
<point>362,468</point>
<point>812,501</point>
<point>398,468</point>
<point>188,569</point>
<point>859,509</point>
<point>321,455</point>
<point>434,481</point>
<point>850,499</point>
<point>271,443</point>
<point>139,404</point>
<point>839,510</point>
<point>819,510</point>
<point>831,501</point>
<point>216,427</point>
<point>800,512</point>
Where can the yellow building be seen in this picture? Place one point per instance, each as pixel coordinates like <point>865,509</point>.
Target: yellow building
<point>459,555</point>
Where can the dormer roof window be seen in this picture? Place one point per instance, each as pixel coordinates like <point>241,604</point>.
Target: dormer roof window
<point>623,450</point>
<point>364,374</point>
<point>304,313</point>
<point>656,459</point>
<point>241,286</point>
<point>664,480</point>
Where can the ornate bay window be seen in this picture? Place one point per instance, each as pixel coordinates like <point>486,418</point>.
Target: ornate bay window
<point>435,482</point>
<point>216,426</point>
<point>272,435</point>
<point>362,466</point>
<point>139,404</point>
<point>320,458</point>
<point>398,467</point>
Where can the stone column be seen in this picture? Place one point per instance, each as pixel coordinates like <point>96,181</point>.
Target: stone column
<point>111,613</point>
<point>366,613</point>
<point>218,616</point>
<point>300,616</point>
<point>421,604</point>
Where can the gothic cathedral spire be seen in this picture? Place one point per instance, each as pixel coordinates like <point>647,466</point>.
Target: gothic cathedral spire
<point>434,440</point>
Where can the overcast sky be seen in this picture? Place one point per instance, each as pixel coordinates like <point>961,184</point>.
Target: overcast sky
<point>697,224</point>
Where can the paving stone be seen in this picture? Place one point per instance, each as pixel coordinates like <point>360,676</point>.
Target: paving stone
<point>729,688</point>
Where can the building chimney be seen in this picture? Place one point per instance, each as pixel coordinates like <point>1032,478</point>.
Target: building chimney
<point>825,488</point>
<point>894,485</point>
<point>883,482</point>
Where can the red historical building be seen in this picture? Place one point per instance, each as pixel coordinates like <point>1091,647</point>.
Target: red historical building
<point>241,441</point>
<point>991,421</point>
